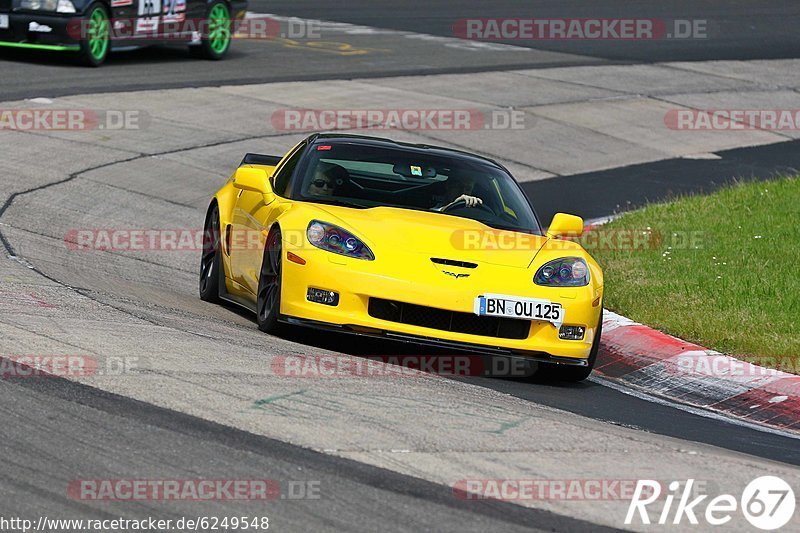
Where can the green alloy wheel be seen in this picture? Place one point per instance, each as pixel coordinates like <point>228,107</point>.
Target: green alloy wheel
<point>217,42</point>
<point>96,39</point>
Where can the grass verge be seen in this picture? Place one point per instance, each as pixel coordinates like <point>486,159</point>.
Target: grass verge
<point>721,270</point>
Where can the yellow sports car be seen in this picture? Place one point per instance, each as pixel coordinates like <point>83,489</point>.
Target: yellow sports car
<point>403,241</point>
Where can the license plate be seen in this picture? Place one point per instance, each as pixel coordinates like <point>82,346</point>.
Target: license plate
<point>3,22</point>
<point>518,307</point>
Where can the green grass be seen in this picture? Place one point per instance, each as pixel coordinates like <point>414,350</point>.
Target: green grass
<point>736,289</point>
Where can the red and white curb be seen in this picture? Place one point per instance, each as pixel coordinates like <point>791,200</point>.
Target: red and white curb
<point>641,358</point>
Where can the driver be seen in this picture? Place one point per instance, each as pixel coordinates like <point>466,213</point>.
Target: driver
<point>459,187</point>
<point>327,178</point>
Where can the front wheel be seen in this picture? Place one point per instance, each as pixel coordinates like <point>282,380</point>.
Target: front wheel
<point>95,38</point>
<point>215,44</point>
<point>211,260</point>
<point>268,298</point>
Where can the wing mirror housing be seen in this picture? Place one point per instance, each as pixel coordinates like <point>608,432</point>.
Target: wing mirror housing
<point>254,180</point>
<point>564,225</point>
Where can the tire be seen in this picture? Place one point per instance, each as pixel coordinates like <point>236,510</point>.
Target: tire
<point>97,27</point>
<point>575,374</point>
<point>211,274</point>
<point>216,44</point>
<point>268,298</point>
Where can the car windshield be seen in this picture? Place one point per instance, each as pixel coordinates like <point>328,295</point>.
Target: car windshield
<point>365,176</point>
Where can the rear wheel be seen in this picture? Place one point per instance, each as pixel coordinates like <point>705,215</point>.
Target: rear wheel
<point>577,373</point>
<point>268,299</point>
<point>211,259</point>
<point>95,36</point>
<point>216,43</point>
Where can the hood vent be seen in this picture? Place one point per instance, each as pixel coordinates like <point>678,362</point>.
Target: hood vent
<point>452,262</point>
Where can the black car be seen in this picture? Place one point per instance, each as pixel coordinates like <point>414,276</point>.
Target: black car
<point>92,28</point>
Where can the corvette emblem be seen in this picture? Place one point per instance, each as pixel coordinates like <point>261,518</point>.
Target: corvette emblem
<point>455,275</point>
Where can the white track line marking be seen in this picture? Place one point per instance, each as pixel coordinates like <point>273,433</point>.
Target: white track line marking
<point>356,29</point>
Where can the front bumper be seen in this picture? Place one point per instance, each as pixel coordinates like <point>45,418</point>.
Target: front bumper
<point>357,281</point>
<point>19,34</point>
<point>436,342</point>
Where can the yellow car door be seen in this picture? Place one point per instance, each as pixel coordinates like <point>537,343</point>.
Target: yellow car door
<point>252,218</point>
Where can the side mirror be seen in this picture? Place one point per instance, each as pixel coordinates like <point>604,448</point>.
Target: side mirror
<point>564,225</point>
<point>252,179</point>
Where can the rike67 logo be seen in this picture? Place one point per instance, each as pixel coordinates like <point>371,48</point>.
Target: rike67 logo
<point>767,502</point>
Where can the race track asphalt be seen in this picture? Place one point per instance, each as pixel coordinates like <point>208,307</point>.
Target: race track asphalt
<point>202,401</point>
<point>742,30</point>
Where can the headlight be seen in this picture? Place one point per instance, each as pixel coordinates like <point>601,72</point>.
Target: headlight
<point>65,6</point>
<point>39,5</point>
<point>335,239</point>
<point>59,6</point>
<point>564,272</point>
